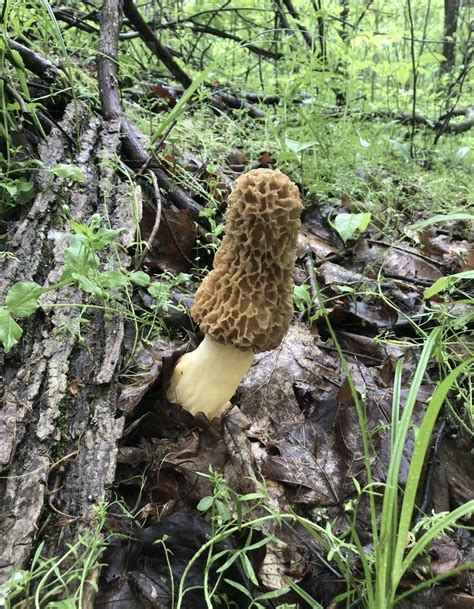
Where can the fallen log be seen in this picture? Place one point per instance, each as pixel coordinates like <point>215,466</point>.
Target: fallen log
<point>59,384</point>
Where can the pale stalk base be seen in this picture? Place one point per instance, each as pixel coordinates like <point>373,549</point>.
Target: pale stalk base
<point>205,379</point>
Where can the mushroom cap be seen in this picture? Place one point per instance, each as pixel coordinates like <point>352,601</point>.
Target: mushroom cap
<point>247,299</point>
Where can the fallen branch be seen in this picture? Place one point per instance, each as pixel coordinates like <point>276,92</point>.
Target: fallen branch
<point>35,62</point>
<point>219,100</point>
<point>406,118</point>
<point>152,42</point>
<point>208,29</point>
<point>293,12</point>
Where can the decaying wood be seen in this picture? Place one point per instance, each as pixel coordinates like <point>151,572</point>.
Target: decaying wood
<point>58,423</point>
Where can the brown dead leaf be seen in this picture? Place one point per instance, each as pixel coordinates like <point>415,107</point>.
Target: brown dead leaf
<point>444,555</point>
<point>172,247</point>
<point>316,235</point>
<point>308,242</point>
<point>266,160</point>
<point>268,388</point>
<point>143,374</point>
<point>74,387</point>
<point>406,262</point>
<point>237,158</point>
<point>333,274</point>
<point>170,94</point>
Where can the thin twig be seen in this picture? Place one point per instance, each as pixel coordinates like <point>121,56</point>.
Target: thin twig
<point>156,225</point>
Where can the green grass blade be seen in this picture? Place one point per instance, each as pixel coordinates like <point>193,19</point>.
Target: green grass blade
<point>179,108</point>
<point>435,531</point>
<point>387,542</point>
<point>418,457</point>
<point>468,566</point>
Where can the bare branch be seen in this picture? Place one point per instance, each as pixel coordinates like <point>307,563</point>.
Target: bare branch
<point>152,42</point>
<point>36,63</point>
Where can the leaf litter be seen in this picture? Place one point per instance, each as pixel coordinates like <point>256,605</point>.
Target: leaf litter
<point>296,426</point>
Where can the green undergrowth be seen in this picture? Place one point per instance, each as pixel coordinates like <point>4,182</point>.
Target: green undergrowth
<point>68,581</point>
<point>397,544</point>
<point>344,162</point>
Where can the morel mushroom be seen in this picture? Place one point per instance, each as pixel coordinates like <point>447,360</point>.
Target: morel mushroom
<point>245,304</point>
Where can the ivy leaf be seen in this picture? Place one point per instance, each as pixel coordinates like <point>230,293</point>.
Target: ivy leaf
<point>10,331</point>
<point>348,224</point>
<point>22,298</point>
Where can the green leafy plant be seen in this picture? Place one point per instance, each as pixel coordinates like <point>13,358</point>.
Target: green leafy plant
<point>446,283</point>
<point>393,556</point>
<point>82,269</point>
<point>347,225</point>
<point>60,582</point>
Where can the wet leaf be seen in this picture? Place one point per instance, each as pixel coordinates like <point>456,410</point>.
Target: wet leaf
<point>172,248</point>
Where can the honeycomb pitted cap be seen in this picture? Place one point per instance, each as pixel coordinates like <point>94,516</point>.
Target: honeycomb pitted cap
<point>247,299</point>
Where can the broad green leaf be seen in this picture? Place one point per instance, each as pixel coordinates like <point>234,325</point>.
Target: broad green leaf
<point>104,237</point>
<point>71,171</point>
<point>302,296</point>
<point>10,331</point>
<point>112,279</point>
<point>86,284</point>
<point>79,256</point>
<point>17,59</point>
<point>445,283</point>
<point>402,74</point>
<point>181,278</point>
<point>22,298</point>
<point>403,149</point>
<point>223,511</point>
<point>249,570</point>
<point>139,278</point>
<point>161,292</point>
<point>67,603</point>
<point>348,224</point>
<point>459,155</point>
<point>205,503</point>
<point>81,229</point>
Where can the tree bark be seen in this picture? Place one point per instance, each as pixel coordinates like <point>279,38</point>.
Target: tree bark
<point>58,423</point>
<point>451,13</point>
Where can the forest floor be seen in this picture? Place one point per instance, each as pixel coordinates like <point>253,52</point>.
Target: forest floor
<point>342,476</point>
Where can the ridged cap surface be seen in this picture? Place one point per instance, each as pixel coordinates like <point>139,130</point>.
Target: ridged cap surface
<point>247,299</point>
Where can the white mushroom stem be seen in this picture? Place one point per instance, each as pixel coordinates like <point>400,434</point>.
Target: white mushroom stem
<point>205,379</point>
